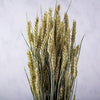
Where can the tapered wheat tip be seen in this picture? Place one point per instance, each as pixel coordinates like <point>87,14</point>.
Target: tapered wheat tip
<point>29,31</point>
<point>36,32</point>
<point>45,24</point>
<point>72,41</point>
<point>58,8</point>
<point>73,32</point>
<point>49,21</point>
<point>66,21</point>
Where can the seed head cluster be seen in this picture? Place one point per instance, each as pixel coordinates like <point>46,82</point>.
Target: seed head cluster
<point>52,57</point>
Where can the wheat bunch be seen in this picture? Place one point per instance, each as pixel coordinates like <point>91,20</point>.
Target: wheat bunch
<point>53,57</point>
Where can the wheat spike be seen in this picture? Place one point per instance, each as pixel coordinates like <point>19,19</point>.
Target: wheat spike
<point>36,33</point>
<point>31,68</point>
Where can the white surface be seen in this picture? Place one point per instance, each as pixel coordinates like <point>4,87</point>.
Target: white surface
<point>13,58</point>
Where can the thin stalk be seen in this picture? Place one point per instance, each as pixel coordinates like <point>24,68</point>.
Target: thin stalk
<point>80,48</point>
<point>51,97</point>
<point>29,84</point>
<point>61,75</point>
<point>69,5</point>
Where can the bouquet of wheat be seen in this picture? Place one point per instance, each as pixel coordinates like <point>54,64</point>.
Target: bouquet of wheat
<point>52,57</point>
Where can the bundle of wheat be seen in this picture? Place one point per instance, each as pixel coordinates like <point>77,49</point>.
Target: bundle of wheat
<point>53,57</point>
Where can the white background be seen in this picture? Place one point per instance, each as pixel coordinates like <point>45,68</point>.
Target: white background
<point>13,57</point>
